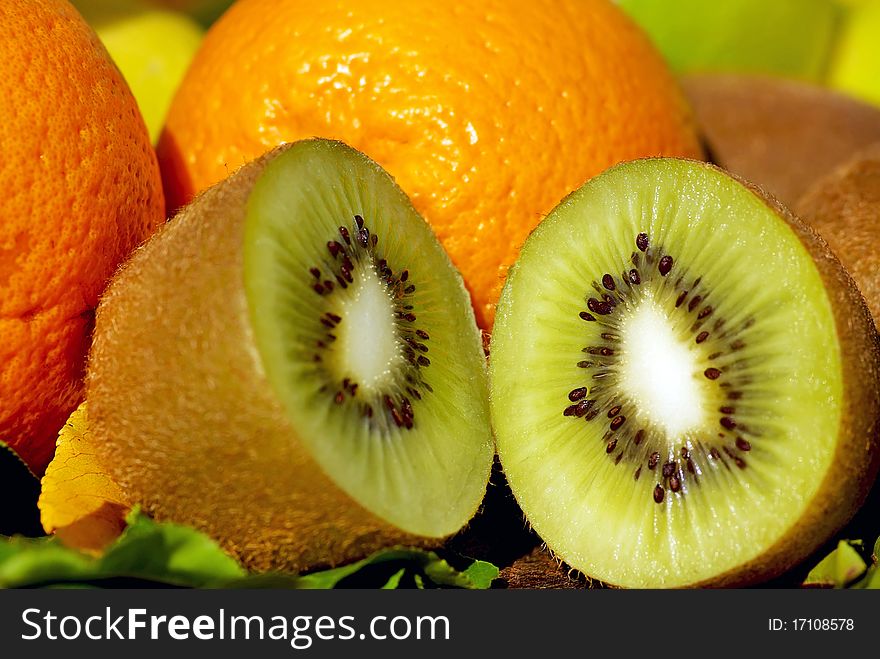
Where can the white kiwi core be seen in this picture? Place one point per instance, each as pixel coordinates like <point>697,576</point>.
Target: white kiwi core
<point>660,371</point>
<point>368,347</point>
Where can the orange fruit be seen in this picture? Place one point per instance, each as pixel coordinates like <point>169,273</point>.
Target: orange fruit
<point>487,113</point>
<point>81,188</point>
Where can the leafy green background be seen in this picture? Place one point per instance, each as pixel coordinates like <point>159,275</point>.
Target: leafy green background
<point>149,553</point>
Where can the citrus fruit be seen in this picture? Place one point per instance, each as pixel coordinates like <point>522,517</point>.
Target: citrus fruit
<point>81,190</point>
<point>151,46</point>
<point>485,113</point>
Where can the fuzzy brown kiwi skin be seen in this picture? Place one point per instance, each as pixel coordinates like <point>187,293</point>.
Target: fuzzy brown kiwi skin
<point>781,134</point>
<point>844,208</point>
<point>271,505</point>
<point>857,457</point>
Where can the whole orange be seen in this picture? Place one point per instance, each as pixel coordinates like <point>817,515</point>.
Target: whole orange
<point>487,113</point>
<point>81,188</point>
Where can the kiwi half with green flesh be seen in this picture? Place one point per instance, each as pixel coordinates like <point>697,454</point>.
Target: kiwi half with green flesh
<point>844,207</point>
<point>780,134</point>
<point>683,381</point>
<point>292,365</point>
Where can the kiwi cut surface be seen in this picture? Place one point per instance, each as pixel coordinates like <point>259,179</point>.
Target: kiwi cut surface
<point>684,381</point>
<point>292,364</point>
<point>781,134</point>
<point>844,207</point>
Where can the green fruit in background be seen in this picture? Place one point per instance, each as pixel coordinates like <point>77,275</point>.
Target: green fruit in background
<point>855,64</point>
<point>152,47</point>
<point>791,38</point>
<point>204,11</point>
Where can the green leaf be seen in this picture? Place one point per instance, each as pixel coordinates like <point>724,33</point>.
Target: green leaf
<point>388,568</point>
<point>840,568</point>
<point>379,569</point>
<point>26,562</point>
<point>162,553</point>
<point>871,580</point>
<point>174,555</point>
<point>872,576</point>
<point>394,581</point>
<point>168,552</point>
<point>481,574</point>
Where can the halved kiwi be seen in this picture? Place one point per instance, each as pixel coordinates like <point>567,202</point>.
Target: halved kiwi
<point>684,381</point>
<point>292,365</point>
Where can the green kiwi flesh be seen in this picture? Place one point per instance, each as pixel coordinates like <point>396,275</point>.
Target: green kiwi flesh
<point>684,381</point>
<point>292,364</point>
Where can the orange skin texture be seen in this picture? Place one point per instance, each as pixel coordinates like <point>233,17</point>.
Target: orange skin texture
<point>487,113</point>
<point>81,189</point>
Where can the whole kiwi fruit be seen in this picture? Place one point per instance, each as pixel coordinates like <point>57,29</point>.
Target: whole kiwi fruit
<point>844,207</point>
<point>780,134</point>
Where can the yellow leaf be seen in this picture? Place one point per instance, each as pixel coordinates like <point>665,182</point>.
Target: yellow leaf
<point>79,502</point>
